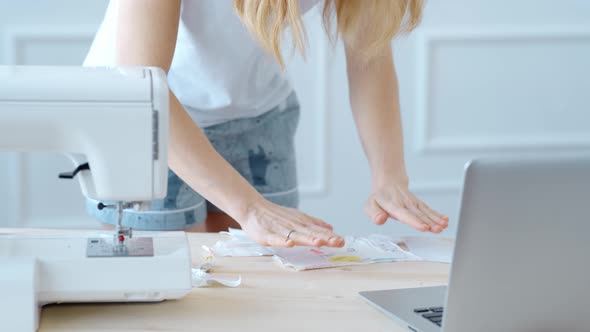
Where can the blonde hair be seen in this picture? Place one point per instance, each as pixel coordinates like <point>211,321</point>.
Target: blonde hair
<point>367,26</point>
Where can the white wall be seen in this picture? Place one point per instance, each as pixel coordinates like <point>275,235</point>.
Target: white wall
<point>478,78</point>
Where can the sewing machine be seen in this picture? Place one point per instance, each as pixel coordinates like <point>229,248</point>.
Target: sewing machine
<point>113,124</point>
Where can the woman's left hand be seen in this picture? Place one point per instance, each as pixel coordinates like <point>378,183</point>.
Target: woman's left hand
<point>394,200</point>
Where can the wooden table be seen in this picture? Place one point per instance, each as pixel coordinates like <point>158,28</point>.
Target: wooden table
<point>270,298</point>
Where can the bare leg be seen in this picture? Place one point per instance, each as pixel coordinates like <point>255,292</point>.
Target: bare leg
<point>215,222</point>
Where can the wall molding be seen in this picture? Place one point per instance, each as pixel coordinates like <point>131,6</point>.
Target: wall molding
<point>13,207</point>
<point>428,39</point>
<point>14,35</point>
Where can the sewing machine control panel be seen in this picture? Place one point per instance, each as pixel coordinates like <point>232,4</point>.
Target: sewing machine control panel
<point>105,247</point>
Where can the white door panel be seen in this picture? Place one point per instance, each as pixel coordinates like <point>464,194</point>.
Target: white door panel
<point>10,189</point>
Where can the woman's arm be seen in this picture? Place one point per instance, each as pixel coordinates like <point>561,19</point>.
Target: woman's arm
<point>146,36</point>
<point>375,104</point>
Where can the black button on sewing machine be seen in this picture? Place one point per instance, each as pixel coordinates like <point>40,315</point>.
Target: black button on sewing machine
<point>432,315</point>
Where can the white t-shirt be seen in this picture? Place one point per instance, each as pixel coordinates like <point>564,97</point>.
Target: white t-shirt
<point>219,72</point>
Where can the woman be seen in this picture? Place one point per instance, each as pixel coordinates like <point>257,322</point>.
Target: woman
<point>233,112</point>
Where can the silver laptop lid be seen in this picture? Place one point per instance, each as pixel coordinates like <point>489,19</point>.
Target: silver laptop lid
<point>521,260</point>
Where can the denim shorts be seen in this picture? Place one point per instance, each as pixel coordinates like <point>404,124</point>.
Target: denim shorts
<point>261,149</point>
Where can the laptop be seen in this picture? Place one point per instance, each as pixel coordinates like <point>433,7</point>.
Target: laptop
<point>522,254</point>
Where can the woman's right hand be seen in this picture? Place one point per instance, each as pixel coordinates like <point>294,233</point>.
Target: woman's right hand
<point>270,224</point>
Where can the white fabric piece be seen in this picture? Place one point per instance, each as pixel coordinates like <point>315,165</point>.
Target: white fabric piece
<point>430,249</point>
<point>357,251</point>
<point>202,278</point>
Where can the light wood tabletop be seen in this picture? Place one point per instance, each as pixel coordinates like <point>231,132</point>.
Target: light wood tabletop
<point>271,298</point>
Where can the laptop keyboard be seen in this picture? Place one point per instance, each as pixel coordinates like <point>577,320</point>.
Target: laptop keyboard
<point>433,314</point>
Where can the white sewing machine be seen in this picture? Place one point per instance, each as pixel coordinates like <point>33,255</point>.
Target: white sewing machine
<point>113,124</point>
